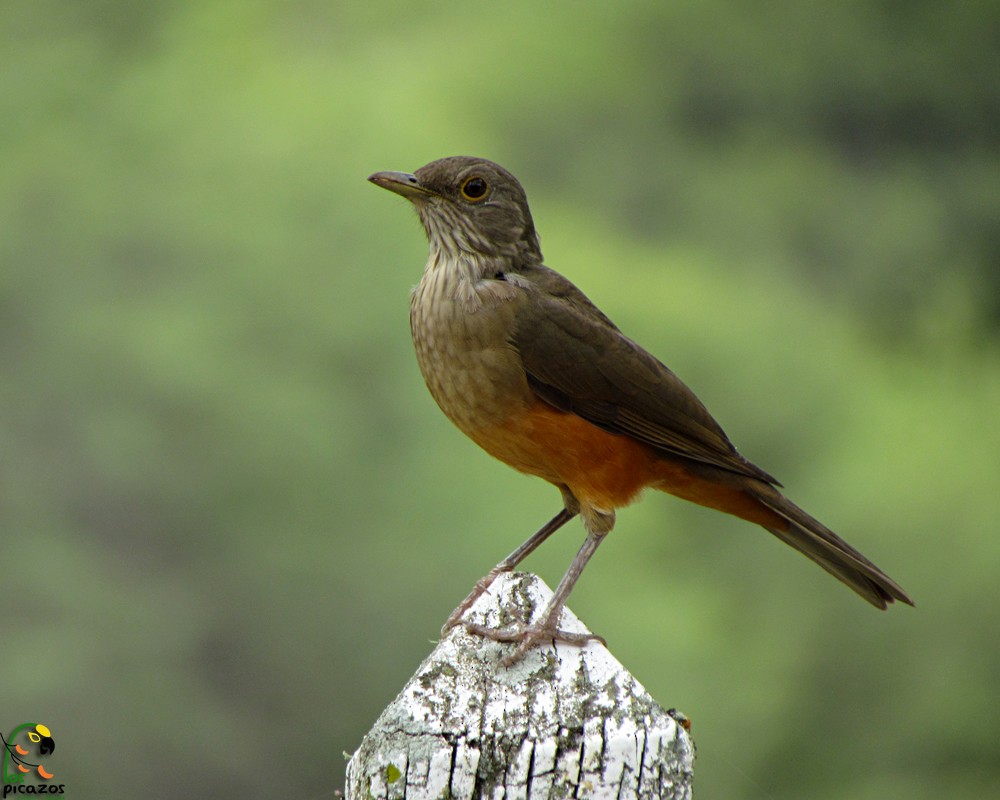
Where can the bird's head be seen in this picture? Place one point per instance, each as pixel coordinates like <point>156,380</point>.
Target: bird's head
<point>469,206</point>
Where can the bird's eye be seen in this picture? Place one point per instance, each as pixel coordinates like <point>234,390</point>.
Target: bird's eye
<point>475,189</point>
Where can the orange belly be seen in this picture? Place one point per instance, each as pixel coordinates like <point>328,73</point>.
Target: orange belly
<point>602,469</point>
<point>607,471</point>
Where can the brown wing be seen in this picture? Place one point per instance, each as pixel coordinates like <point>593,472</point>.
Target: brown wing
<point>578,361</point>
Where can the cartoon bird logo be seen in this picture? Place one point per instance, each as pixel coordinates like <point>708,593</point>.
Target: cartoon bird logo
<point>38,735</point>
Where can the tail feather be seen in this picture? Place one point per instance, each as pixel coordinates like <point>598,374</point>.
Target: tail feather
<point>813,539</point>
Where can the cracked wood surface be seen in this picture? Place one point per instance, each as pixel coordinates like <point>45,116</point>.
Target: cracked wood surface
<point>565,722</point>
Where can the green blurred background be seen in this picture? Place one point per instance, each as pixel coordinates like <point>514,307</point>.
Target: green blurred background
<point>233,519</point>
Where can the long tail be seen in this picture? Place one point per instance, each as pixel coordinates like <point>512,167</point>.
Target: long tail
<point>813,539</point>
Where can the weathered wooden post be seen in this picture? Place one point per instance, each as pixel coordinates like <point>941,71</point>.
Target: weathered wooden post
<point>565,722</point>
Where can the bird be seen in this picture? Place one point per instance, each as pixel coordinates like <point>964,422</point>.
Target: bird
<point>531,370</point>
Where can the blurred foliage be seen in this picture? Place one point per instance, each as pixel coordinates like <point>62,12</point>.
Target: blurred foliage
<point>233,519</point>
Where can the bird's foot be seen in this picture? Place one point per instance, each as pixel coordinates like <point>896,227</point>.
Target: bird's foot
<point>484,583</point>
<point>527,636</point>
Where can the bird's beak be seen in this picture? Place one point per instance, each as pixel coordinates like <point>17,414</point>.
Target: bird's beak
<point>402,183</point>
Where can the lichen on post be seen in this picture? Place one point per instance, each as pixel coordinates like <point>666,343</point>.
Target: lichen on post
<point>566,721</point>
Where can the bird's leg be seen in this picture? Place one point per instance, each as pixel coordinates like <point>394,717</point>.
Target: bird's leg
<point>547,628</point>
<point>508,564</point>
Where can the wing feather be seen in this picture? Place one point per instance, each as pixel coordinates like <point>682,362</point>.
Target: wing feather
<point>577,360</point>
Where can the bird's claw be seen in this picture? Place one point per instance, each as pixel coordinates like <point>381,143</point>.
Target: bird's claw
<point>527,636</point>
<point>482,585</point>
